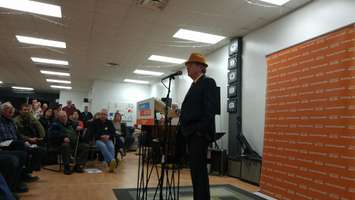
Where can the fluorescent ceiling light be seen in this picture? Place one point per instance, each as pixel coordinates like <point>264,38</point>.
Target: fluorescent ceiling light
<point>39,41</point>
<point>166,59</point>
<point>61,87</point>
<point>198,36</point>
<point>135,81</point>
<point>146,72</point>
<point>1,82</point>
<point>58,81</point>
<point>276,2</point>
<point>33,7</point>
<point>49,61</point>
<point>22,88</point>
<point>55,73</point>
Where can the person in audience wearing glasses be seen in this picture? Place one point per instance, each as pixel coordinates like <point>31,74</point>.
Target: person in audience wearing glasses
<point>62,134</point>
<point>104,132</point>
<point>120,133</point>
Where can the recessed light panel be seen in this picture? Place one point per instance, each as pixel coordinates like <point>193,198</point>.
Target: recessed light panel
<point>166,59</point>
<point>22,88</point>
<point>276,2</point>
<point>32,7</point>
<point>61,87</point>
<point>136,81</point>
<point>148,73</point>
<point>58,81</point>
<point>198,36</point>
<point>49,61</point>
<point>54,73</point>
<point>40,41</point>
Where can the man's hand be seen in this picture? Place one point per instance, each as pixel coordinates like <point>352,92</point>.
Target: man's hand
<point>66,140</point>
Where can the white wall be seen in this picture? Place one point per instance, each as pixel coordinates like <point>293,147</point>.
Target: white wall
<point>104,92</point>
<point>314,19</point>
<point>76,97</point>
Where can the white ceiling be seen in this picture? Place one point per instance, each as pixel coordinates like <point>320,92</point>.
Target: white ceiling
<point>101,31</point>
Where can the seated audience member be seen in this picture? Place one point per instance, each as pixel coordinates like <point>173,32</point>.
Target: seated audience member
<point>56,109</point>
<point>28,127</point>
<point>36,109</point>
<point>43,109</point>
<point>104,132</point>
<point>120,133</point>
<point>11,142</point>
<point>86,115</point>
<point>47,119</point>
<point>69,108</point>
<point>78,124</point>
<point>11,169</point>
<point>61,134</point>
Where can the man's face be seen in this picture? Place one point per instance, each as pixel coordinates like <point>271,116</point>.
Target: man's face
<point>75,116</point>
<point>193,70</point>
<point>25,109</point>
<point>62,117</point>
<point>103,115</point>
<point>8,112</point>
<point>69,103</point>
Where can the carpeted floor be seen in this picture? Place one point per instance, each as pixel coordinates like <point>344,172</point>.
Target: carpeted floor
<point>218,192</point>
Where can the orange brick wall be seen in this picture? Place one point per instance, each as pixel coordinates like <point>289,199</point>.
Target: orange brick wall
<point>309,142</point>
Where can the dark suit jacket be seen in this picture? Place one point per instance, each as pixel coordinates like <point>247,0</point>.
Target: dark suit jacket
<point>199,109</point>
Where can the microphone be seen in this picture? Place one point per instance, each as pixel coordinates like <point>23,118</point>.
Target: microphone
<point>178,73</point>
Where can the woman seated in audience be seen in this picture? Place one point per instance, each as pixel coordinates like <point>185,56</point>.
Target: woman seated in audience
<point>120,133</point>
<point>47,119</point>
<point>104,132</point>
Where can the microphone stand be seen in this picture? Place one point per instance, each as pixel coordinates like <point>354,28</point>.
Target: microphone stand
<point>166,148</point>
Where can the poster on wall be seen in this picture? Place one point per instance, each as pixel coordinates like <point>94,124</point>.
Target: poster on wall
<point>309,146</point>
<point>127,111</point>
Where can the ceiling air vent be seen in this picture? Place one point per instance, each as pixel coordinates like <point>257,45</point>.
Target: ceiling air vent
<point>153,4</point>
<point>111,64</point>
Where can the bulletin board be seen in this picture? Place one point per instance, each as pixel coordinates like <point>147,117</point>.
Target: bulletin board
<point>126,109</point>
<point>309,141</point>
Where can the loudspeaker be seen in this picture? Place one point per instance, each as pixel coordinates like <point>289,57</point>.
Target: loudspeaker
<point>235,46</point>
<point>86,100</point>
<point>235,125</point>
<point>251,169</point>
<point>218,161</point>
<point>232,90</point>
<point>234,167</point>
<point>232,76</point>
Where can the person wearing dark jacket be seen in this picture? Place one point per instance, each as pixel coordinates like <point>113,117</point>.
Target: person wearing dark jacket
<point>104,132</point>
<point>46,120</point>
<point>197,122</point>
<point>12,142</point>
<point>86,115</point>
<point>62,134</point>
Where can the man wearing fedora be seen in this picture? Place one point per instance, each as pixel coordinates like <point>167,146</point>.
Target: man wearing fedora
<point>197,122</point>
